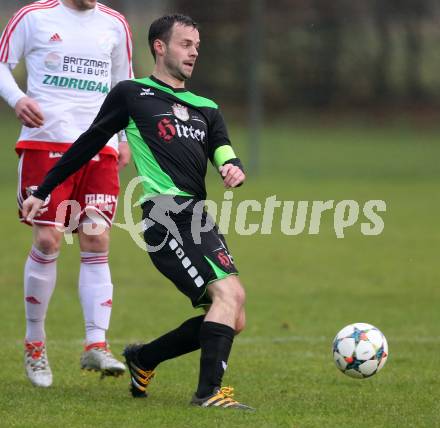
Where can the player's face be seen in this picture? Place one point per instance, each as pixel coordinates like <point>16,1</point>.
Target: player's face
<point>84,4</point>
<point>182,51</point>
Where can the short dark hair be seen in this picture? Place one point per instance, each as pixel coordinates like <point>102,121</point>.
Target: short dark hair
<point>161,28</point>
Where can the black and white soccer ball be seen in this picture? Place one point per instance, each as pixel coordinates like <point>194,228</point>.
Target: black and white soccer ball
<point>360,350</point>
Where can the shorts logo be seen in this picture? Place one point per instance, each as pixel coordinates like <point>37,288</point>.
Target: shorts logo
<point>108,303</point>
<point>53,155</point>
<point>101,201</point>
<point>186,263</point>
<point>224,259</point>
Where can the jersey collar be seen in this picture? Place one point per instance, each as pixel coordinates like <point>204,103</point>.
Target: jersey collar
<point>159,82</point>
<point>80,14</point>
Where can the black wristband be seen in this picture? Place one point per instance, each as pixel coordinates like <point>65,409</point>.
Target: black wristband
<point>38,194</point>
<point>235,162</point>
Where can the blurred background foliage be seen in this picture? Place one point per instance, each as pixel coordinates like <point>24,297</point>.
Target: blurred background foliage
<point>369,56</point>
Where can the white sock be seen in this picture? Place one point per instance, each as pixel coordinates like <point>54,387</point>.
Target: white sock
<point>95,292</point>
<point>40,274</point>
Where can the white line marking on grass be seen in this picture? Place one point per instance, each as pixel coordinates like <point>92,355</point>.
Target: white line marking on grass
<point>324,339</point>
<point>251,340</point>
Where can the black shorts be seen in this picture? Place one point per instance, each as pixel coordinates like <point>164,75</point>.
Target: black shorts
<point>185,245</point>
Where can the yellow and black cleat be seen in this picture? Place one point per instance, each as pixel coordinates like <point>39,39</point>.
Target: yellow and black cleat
<point>221,397</point>
<point>140,378</point>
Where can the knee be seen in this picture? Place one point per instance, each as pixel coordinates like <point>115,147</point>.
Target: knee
<point>237,292</point>
<point>240,323</point>
<point>47,241</point>
<point>95,243</point>
<point>233,293</point>
<point>239,296</point>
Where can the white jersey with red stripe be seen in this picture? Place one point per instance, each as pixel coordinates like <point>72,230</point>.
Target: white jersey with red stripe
<point>73,59</point>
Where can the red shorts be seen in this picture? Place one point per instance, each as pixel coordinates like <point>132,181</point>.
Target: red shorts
<point>92,190</point>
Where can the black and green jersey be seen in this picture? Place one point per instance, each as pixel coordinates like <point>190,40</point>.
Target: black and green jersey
<point>171,132</point>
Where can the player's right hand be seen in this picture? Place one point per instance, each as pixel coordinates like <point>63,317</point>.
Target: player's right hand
<point>233,176</point>
<point>29,112</point>
<point>31,207</point>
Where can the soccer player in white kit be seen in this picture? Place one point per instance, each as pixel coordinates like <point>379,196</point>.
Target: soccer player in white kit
<point>75,51</point>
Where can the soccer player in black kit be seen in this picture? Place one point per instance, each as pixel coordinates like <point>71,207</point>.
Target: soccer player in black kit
<point>172,133</point>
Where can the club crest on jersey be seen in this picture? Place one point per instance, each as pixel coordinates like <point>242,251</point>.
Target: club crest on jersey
<point>52,61</point>
<point>180,111</point>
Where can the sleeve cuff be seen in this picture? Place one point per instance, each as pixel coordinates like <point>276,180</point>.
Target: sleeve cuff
<point>14,98</point>
<point>235,162</point>
<point>9,89</point>
<point>39,194</point>
<point>223,154</point>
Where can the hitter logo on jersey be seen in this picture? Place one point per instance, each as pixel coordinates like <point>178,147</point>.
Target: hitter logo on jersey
<point>168,129</point>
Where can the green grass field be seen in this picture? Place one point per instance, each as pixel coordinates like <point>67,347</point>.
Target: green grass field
<point>301,290</point>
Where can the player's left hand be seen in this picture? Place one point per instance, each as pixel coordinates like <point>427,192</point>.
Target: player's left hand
<point>232,175</point>
<point>124,155</point>
<point>31,208</point>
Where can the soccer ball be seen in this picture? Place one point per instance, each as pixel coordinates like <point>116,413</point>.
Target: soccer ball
<point>360,350</point>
